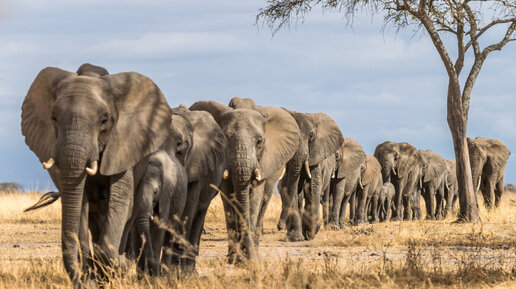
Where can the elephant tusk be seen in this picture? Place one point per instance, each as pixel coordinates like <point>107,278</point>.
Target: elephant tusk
<point>307,168</point>
<point>48,164</point>
<point>226,174</point>
<point>93,169</point>
<point>333,175</point>
<point>282,174</point>
<point>420,183</point>
<point>394,171</point>
<point>360,184</point>
<point>478,185</point>
<point>257,175</point>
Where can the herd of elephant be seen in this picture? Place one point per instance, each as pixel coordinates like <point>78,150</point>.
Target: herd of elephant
<point>137,177</point>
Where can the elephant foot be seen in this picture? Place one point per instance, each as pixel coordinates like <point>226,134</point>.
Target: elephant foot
<point>295,236</point>
<point>374,221</point>
<point>430,218</point>
<point>281,225</point>
<point>333,227</point>
<point>396,219</point>
<point>358,223</point>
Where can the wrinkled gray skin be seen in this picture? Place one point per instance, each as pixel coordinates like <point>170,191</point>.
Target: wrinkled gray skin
<point>260,142</point>
<point>488,158</point>
<point>320,139</point>
<point>400,166</point>
<point>368,191</point>
<point>199,144</point>
<point>77,119</point>
<point>385,202</point>
<point>433,182</point>
<point>451,189</point>
<point>328,173</point>
<point>348,172</point>
<point>161,194</point>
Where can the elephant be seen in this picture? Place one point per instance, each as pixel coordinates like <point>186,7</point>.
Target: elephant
<point>432,181</point>
<point>200,145</point>
<point>385,202</point>
<point>260,142</point>
<point>348,171</point>
<point>488,158</point>
<point>368,191</point>
<point>89,130</point>
<point>451,189</point>
<point>400,166</point>
<point>320,139</point>
<point>161,194</point>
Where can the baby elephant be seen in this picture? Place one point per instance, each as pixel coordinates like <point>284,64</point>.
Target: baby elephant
<point>385,202</point>
<point>161,193</point>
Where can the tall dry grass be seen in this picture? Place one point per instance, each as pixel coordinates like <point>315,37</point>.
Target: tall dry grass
<point>429,254</point>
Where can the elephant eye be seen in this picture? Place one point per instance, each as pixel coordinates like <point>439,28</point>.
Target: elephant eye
<point>311,136</point>
<point>179,143</point>
<point>104,121</point>
<point>54,118</point>
<point>259,141</point>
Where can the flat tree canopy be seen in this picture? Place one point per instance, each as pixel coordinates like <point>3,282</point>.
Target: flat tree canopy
<point>466,21</point>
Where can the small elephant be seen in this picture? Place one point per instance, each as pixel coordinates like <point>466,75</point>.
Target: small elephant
<point>89,129</point>
<point>488,158</point>
<point>160,194</point>
<point>385,202</point>
<point>400,166</point>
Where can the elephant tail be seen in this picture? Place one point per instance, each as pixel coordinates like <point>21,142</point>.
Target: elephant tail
<point>45,200</point>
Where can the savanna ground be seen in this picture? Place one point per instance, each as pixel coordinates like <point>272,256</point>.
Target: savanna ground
<point>429,254</point>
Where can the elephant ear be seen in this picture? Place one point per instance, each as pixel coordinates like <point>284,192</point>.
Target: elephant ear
<point>143,121</point>
<point>37,126</point>
<point>408,158</point>
<point>242,103</point>
<point>372,172</point>
<point>208,146</point>
<point>435,169</point>
<point>352,155</point>
<point>214,108</point>
<point>498,153</point>
<point>281,139</point>
<point>328,138</point>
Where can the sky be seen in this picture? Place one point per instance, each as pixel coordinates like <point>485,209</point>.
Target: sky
<point>377,85</point>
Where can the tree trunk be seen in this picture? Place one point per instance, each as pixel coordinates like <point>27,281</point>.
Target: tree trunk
<point>457,123</point>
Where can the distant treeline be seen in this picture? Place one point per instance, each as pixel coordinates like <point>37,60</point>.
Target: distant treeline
<point>10,187</point>
<point>510,188</point>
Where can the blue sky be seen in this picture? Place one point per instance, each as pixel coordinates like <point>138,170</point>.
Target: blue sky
<point>377,85</point>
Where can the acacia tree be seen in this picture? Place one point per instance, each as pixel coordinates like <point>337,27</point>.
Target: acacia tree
<point>467,21</point>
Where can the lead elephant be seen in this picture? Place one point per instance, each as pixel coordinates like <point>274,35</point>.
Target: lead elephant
<point>433,182</point>
<point>90,130</point>
<point>400,166</point>
<point>320,139</point>
<point>488,158</point>
<point>260,142</point>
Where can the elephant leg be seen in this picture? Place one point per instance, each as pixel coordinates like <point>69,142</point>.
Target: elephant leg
<point>119,211</point>
<point>228,201</point>
<point>429,203</point>
<point>448,196</point>
<point>294,218</point>
<point>338,188</point>
<point>361,196</point>
<point>407,207</point>
<point>489,192</point>
<point>499,190</point>
<point>267,194</point>
<point>439,196</point>
<point>157,235</point>
<point>325,199</point>
<point>256,196</point>
<point>397,212</point>
<point>310,216</point>
<point>86,257</point>
<point>352,206</point>
<point>374,209</point>
<point>195,235</point>
<point>285,201</point>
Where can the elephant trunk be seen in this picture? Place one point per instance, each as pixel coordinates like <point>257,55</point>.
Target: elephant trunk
<point>72,162</point>
<point>242,172</point>
<point>387,169</point>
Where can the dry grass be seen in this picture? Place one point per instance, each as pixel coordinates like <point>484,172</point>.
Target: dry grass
<point>429,254</point>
